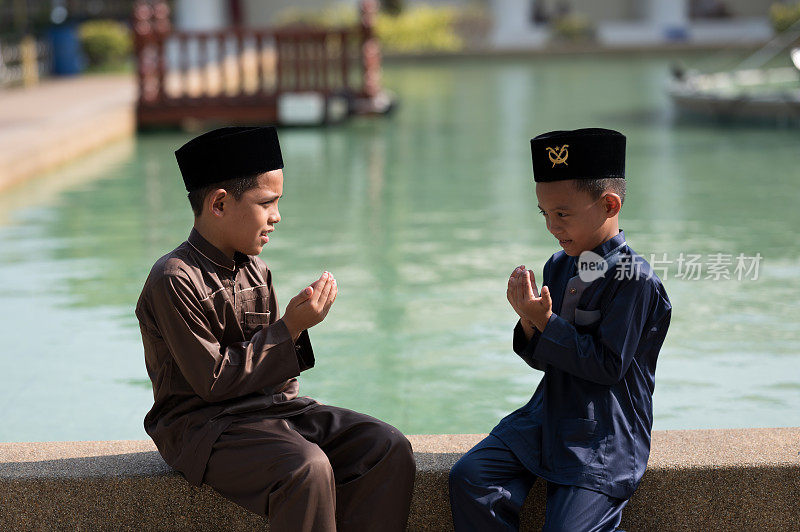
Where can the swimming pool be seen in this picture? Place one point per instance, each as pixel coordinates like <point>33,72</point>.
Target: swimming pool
<point>421,216</point>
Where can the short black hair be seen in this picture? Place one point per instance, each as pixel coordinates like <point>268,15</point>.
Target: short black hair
<point>596,187</point>
<point>236,187</point>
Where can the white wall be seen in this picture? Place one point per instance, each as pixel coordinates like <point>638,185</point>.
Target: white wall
<point>667,13</point>
<point>201,14</point>
<point>512,27</point>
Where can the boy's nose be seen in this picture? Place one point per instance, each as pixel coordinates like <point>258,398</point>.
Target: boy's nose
<point>555,230</point>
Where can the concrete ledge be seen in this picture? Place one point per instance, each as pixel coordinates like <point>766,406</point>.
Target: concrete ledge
<point>744,479</point>
<point>45,126</point>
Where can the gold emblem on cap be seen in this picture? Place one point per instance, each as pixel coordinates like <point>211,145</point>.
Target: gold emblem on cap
<point>558,155</point>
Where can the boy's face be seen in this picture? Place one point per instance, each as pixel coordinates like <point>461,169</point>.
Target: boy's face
<point>578,222</point>
<point>249,220</point>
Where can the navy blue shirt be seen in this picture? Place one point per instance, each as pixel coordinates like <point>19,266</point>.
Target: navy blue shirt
<point>588,423</point>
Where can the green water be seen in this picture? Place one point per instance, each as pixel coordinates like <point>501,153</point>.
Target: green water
<point>421,216</point>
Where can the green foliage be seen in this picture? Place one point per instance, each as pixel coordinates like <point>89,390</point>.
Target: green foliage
<point>332,16</point>
<point>574,27</point>
<point>419,29</point>
<point>784,15</point>
<point>105,42</point>
<point>415,29</point>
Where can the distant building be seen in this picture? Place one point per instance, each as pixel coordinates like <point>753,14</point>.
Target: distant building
<point>216,14</point>
<point>528,23</point>
<point>520,24</point>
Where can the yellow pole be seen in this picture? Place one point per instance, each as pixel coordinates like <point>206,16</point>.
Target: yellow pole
<point>30,65</point>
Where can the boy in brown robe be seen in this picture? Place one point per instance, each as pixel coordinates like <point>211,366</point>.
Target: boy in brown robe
<point>223,362</point>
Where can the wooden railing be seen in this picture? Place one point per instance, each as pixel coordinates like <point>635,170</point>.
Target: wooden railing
<point>239,74</point>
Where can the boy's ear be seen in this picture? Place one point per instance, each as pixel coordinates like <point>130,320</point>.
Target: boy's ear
<point>215,201</point>
<point>612,204</point>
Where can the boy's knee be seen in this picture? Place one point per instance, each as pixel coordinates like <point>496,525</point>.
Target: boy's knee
<point>398,452</point>
<point>464,472</point>
<point>399,445</point>
<point>390,442</point>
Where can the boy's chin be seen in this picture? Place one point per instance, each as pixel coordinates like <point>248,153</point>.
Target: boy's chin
<point>574,251</point>
<point>570,249</point>
<point>255,249</point>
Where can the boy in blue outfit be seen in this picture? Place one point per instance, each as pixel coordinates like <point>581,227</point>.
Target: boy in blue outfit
<point>595,330</point>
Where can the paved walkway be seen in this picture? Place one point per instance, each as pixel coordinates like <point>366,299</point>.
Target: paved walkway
<point>60,119</point>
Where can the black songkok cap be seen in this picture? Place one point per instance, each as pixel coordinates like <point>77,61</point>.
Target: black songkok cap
<point>228,153</point>
<point>591,153</point>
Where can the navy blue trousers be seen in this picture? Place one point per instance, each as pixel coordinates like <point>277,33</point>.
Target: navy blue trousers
<point>489,484</point>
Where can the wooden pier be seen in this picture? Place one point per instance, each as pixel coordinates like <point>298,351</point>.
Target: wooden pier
<point>290,76</point>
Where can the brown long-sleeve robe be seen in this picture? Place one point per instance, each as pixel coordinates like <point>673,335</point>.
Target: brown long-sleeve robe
<point>215,349</point>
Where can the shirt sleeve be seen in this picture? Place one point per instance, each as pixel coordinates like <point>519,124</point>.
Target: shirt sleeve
<point>604,355</point>
<point>214,372</point>
<point>522,346</point>
<point>525,348</point>
<point>305,354</point>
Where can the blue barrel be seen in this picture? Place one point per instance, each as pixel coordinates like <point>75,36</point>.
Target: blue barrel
<point>68,58</point>
<point>676,33</point>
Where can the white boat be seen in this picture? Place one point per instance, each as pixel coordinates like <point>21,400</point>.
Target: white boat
<point>747,92</point>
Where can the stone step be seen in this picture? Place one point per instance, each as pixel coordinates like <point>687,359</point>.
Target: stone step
<point>738,479</point>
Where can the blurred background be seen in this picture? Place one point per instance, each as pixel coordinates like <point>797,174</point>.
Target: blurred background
<point>405,128</point>
<point>75,35</point>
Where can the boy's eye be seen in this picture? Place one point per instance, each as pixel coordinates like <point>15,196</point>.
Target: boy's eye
<point>561,215</point>
<point>541,212</point>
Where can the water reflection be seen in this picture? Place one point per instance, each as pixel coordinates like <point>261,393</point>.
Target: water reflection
<point>421,217</point>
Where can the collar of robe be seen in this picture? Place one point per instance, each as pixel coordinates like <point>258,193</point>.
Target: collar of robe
<point>214,254</point>
<point>608,250</point>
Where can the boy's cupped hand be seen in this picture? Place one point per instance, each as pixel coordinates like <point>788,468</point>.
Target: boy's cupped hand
<point>533,309</point>
<point>311,305</point>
